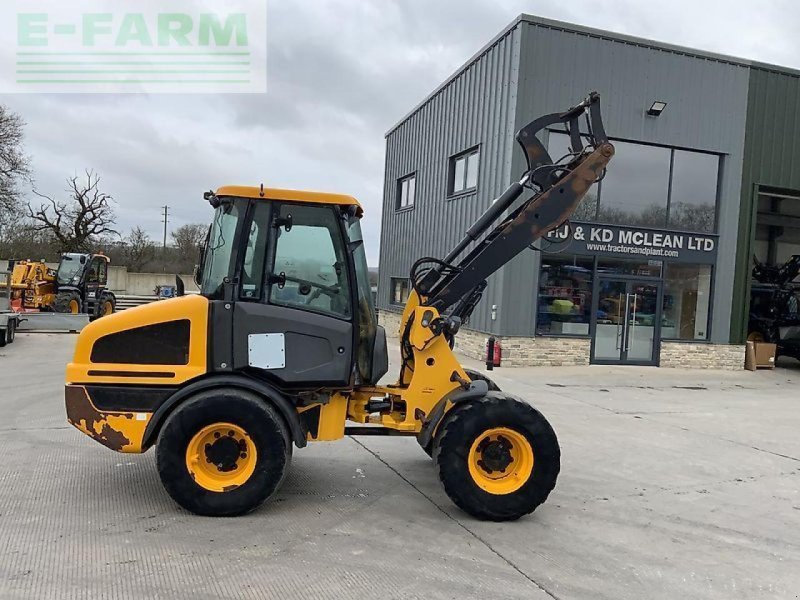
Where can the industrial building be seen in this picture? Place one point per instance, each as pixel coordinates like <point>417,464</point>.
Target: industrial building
<point>655,268</point>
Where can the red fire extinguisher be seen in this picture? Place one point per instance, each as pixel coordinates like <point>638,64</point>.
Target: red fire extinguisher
<point>493,353</point>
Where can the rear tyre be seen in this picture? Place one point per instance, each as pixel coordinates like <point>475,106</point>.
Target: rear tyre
<point>4,337</point>
<point>11,331</point>
<point>477,376</point>
<point>498,458</point>
<point>223,453</point>
<point>67,302</point>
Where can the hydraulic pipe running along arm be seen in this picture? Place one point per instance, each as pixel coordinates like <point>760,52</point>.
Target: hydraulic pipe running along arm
<point>558,189</point>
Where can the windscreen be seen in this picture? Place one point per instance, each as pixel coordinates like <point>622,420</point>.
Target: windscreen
<point>69,267</point>
<point>219,252</point>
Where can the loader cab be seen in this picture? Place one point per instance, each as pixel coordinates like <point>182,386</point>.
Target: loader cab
<point>292,269</point>
<point>75,268</point>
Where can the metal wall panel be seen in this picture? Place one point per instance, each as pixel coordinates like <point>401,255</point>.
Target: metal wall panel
<point>476,107</point>
<point>772,159</point>
<point>535,67</point>
<point>706,107</point>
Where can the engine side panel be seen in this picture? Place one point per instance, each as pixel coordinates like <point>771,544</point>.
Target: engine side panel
<point>133,332</point>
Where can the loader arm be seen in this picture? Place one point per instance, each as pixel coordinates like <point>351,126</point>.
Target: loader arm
<point>558,189</point>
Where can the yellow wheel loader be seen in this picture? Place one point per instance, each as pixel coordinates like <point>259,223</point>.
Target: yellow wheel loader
<point>282,347</point>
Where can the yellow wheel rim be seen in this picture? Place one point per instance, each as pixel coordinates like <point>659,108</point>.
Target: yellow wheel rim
<point>73,307</point>
<point>221,457</point>
<point>500,460</point>
<point>755,336</point>
<point>108,308</point>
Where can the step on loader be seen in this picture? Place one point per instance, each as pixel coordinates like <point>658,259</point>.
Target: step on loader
<point>282,347</point>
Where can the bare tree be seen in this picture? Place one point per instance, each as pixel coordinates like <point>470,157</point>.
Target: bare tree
<point>139,249</point>
<point>77,222</point>
<point>186,239</point>
<point>14,167</point>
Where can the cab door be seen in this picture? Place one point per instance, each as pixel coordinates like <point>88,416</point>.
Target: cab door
<point>293,319</point>
<point>96,278</point>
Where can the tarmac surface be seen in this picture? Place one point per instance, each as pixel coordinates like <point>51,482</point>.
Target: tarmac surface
<point>673,484</point>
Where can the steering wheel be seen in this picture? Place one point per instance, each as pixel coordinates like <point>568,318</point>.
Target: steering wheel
<point>329,290</point>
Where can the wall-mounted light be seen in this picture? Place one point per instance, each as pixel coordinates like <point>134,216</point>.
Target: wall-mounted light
<point>657,108</point>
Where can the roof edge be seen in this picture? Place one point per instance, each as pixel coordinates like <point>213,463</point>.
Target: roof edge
<point>506,30</point>
<point>599,33</point>
<point>656,45</point>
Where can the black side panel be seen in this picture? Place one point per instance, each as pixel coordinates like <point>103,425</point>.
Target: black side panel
<point>310,419</point>
<point>380,356</point>
<point>129,398</point>
<point>158,344</point>
<point>318,348</point>
<point>220,336</point>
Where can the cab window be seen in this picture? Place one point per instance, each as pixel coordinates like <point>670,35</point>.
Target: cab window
<point>309,271</point>
<point>255,253</point>
<point>97,271</point>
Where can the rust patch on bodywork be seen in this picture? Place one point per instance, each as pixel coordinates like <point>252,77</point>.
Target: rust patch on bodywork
<point>121,431</point>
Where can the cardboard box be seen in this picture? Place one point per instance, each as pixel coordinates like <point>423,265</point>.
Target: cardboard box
<point>765,355</point>
<point>759,355</point>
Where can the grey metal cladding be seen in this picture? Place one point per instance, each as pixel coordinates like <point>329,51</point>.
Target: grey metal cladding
<point>534,67</point>
<point>475,108</point>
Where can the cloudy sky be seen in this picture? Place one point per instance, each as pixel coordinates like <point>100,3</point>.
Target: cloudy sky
<point>340,73</point>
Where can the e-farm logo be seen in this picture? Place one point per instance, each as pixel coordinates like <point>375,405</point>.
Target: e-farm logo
<point>130,46</point>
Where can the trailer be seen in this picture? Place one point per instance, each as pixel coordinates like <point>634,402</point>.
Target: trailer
<point>9,320</point>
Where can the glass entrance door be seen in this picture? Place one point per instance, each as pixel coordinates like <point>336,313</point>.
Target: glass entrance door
<point>627,319</point>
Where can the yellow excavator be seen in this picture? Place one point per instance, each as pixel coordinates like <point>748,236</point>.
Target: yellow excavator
<point>282,347</point>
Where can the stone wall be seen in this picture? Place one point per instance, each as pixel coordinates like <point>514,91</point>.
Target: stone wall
<point>702,356</point>
<point>556,352</point>
<point>516,351</point>
<point>390,321</point>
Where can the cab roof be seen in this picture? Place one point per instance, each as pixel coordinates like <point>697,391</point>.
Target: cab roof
<point>265,193</point>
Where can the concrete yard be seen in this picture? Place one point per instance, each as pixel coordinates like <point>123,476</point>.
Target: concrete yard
<point>673,484</point>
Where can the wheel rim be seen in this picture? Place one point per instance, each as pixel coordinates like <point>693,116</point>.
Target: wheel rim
<point>221,457</point>
<point>107,308</point>
<point>755,336</point>
<point>500,460</point>
<point>73,306</point>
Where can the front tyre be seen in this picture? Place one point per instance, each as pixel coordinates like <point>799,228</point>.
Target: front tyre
<point>68,302</point>
<point>223,453</point>
<point>498,458</point>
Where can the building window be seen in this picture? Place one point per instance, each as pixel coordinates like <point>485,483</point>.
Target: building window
<point>565,295</point>
<point>635,189</point>
<point>693,198</point>
<point>650,186</point>
<point>400,289</point>
<point>687,300</point>
<point>406,191</point>
<point>464,172</point>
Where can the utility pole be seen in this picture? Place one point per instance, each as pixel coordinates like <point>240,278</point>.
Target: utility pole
<point>166,219</point>
<point>164,251</point>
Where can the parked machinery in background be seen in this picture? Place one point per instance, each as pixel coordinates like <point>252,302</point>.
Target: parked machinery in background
<point>775,306</point>
<point>33,285</point>
<point>78,285</point>
<point>9,319</point>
